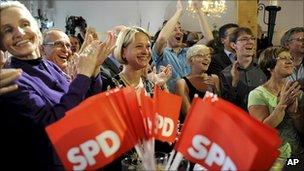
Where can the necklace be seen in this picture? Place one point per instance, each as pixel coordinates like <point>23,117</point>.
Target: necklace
<point>128,83</point>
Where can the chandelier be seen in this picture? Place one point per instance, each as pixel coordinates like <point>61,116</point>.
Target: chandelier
<point>209,7</point>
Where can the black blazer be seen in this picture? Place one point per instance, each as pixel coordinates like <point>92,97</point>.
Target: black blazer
<point>218,63</point>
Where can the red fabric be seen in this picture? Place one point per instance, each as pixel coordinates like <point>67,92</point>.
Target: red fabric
<point>83,123</point>
<point>167,107</point>
<point>242,138</point>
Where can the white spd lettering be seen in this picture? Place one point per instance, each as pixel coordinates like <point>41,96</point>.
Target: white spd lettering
<point>215,155</point>
<point>165,124</point>
<point>107,142</point>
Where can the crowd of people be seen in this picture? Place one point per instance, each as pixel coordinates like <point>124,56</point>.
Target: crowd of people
<point>49,73</point>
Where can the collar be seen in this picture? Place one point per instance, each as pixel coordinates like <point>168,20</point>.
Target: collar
<point>30,62</point>
<point>227,52</point>
<point>171,50</point>
<point>251,66</point>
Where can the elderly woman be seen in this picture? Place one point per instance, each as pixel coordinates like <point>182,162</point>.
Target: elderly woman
<point>279,103</point>
<point>44,94</point>
<point>197,82</point>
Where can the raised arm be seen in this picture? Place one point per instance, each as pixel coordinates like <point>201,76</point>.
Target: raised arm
<point>205,28</point>
<point>167,30</point>
<point>182,90</point>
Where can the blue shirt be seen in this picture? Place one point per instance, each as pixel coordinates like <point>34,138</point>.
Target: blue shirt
<point>178,62</point>
<point>230,55</point>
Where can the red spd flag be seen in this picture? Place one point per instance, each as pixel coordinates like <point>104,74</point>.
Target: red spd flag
<point>167,108</point>
<point>264,136</point>
<point>211,138</point>
<point>91,135</point>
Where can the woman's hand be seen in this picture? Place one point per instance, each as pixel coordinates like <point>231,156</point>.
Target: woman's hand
<point>7,76</point>
<point>2,59</point>
<point>289,93</point>
<point>292,108</point>
<point>162,77</point>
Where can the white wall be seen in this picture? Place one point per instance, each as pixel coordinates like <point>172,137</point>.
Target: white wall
<point>291,15</point>
<point>105,14</point>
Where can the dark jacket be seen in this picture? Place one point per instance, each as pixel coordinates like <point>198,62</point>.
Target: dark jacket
<point>250,78</point>
<point>218,63</point>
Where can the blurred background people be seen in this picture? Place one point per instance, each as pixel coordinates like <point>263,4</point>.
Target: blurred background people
<point>226,55</point>
<point>75,44</point>
<point>293,39</point>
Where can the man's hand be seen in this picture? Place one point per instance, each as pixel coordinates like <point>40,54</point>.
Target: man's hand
<point>235,73</point>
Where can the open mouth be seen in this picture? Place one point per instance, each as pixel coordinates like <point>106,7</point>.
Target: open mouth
<point>22,42</point>
<point>249,48</point>
<point>64,58</point>
<point>178,38</point>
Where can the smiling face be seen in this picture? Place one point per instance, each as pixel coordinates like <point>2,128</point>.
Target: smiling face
<point>200,62</point>
<point>57,48</point>
<point>244,45</point>
<point>20,36</point>
<point>225,41</point>
<point>138,52</point>
<point>284,65</point>
<point>296,43</point>
<point>176,39</point>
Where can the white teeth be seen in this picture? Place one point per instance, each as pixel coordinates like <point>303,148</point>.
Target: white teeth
<point>63,58</point>
<point>21,42</point>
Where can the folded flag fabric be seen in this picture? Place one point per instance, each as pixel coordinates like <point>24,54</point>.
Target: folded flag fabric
<point>216,134</point>
<point>220,136</point>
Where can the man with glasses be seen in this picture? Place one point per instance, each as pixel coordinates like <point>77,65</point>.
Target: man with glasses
<point>56,47</point>
<point>293,40</point>
<point>242,76</point>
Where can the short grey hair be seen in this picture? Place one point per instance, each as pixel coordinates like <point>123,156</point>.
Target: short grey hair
<point>195,50</point>
<point>286,38</point>
<point>125,37</point>
<point>49,31</point>
<point>9,4</point>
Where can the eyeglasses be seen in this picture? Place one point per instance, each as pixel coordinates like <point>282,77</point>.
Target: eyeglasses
<point>246,39</point>
<point>59,44</point>
<point>285,58</point>
<point>299,39</point>
<point>202,57</point>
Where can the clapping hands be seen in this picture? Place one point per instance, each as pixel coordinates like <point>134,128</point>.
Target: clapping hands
<point>162,77</point>
<point>93,52</point>
<point>289,96</point>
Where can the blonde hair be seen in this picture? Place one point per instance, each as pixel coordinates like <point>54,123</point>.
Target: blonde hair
<point>196,50</point>
<point>9,4</point>
<point>125,37</point>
